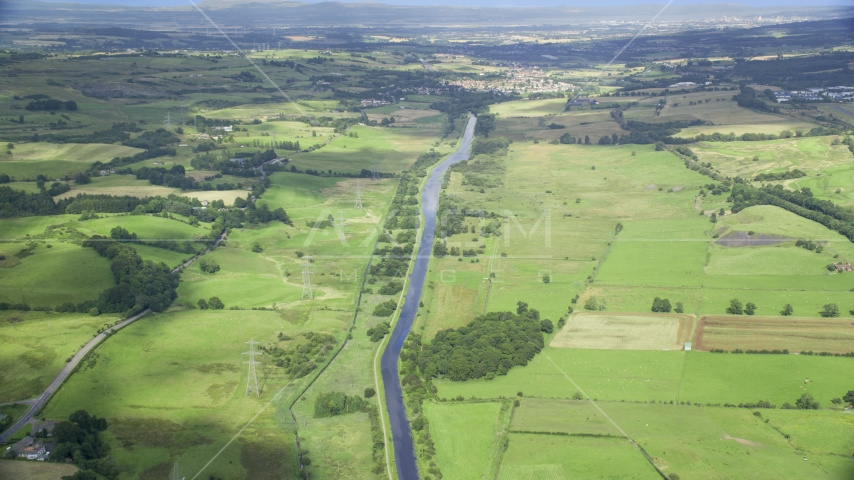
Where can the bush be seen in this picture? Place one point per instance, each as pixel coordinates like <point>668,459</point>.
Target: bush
<point>94,311</point>
<point>661,306</point>
<point>336,403</point>
<point>208,265</point>
<point>370,392</point>
<point>547,326</point>
<point>379,332</point>
<point>806,402</point>
<point>215,303</point>
<point>385,309</point>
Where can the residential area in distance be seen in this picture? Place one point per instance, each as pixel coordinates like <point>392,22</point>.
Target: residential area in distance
<point>281,240</point>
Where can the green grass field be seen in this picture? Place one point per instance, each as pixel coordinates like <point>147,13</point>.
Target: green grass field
<point>51,276</point>
<point>470,455</point>
<point>172,387</point>
<point>36,345</point>
<point>57,160</point>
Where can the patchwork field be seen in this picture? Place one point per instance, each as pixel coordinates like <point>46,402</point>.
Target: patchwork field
<point>625,331</point>
<point>775,333</point>
<point>57,160</point>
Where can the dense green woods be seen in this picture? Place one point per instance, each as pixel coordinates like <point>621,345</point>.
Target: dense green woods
<point>490,345</point>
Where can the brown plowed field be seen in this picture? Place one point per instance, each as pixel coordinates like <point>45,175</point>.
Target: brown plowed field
<point>625,331</point>
<point>775,333</point>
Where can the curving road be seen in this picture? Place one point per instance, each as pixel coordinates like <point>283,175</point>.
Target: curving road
<point>40,401</point>
<point>404,449</point>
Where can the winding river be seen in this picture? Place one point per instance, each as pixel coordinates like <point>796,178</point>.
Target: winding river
<point>404,450</point>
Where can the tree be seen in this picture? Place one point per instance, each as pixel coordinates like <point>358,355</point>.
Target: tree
<point>521,307</point>
<point>256,248</point>
<point>547,278</point>
<point>10,146</point>
<point>203,304</point>
<point>829,310</point>
<point>547,326</point>
<point>119,233</point>
<point>849,397</point>
<point>750,308</point>
<point>714,218</point>
<point>215,303</point>
<point>806,402</point>
<point>734,307</point>
<point>591,304</point>
<point>71,105</point>
<point>208,265</point>
<point>587,139</point>
<point>370,392</point>
<point>661,306</point>
<point>787,310</point>
<point>679,308</point>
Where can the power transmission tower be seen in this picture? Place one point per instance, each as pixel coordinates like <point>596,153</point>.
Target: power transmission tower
<point>181,110</point>
<point>306,280</point>
<point>376,174</point>
<point>252,380</point>
<point>169,121</point>
<point>175,473</point>
<point>359,194</point>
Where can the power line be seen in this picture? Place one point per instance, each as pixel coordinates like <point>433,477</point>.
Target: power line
<point>252,380</point>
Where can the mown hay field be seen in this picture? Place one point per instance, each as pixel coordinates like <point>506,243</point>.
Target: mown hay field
<point>625,331</point>
<point>775,333</point>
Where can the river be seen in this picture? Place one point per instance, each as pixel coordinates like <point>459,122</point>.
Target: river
<point>404,450</point>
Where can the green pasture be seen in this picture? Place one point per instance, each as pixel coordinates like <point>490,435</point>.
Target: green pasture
<point>36,346</point>
<point>54,273</point>
<point>57,160</point>
<point>549,456</point>
<point>161,255</point>
<point>147,227</point>
<point>835,183</point>
<point>119,185</point>
<point>529,108</point>
<point>21,227</point>
<point>691,441</point>
<point>725,115</point>
<point>394,149</point>
<point>812,155</point>
<point>244,280</point>
<point>634,375</point>
<point>172,388</point>
<point>468,455</point>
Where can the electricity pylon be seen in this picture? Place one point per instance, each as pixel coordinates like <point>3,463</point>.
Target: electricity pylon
<point>175,473</point>
<point>376,174</point>
<point>359,194</point>
<point>306,280</point>
<point>252,381</point>
<point>169,121</point>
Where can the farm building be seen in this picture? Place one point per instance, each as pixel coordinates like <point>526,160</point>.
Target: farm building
<point>30,449</point>
<point>47,426</point>
<point>843,267</point>
<point>687,346</point>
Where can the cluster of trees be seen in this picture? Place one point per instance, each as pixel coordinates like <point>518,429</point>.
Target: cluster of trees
<point>208,265</point>
<point>379,331</point>
<point>300,356</point>
<point>490,345</point>
<point>747,99</point>
<point>174,177</point>
<point>213,303</point>
<point>332,404</point>
<point>763,177</point>
<point>79,440</point>
<point>809,245</point>
<point>140,284</point>
<point>660,305</point>
<point>50,104</point>
<point>391,288</point>
<point>800,73</point>
<point>488,146</point>
<point>736,308</point>
<point>385,309</point>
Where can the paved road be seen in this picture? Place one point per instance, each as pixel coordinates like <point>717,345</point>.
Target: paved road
<point>37,403</point>
<point>404,449</point>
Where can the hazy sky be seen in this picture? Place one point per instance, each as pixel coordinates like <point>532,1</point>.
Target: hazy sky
<point>506,3</point>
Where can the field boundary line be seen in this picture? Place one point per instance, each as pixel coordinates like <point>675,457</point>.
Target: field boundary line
<point>593,402</point>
